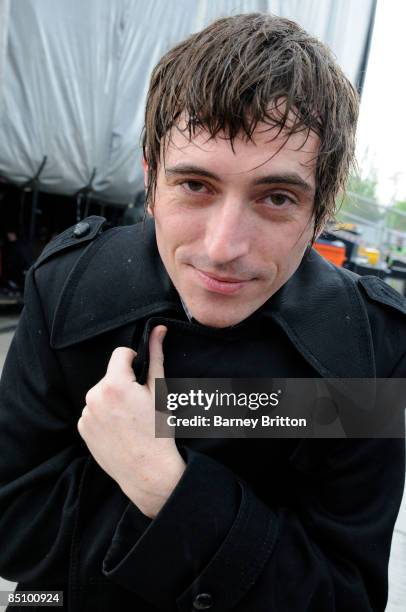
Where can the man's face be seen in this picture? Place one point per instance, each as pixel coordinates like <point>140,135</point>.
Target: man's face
<point>232,225</point>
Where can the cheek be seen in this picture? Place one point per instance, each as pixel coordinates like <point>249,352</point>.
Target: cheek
<point>284,248</point>
<point>297,249</point>
<point>177,236</point>
<point>178,227</point>
<point>300,234</point>
<point>287,239</point>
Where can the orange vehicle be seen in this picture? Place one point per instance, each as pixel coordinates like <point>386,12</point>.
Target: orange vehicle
<point>332,251</point>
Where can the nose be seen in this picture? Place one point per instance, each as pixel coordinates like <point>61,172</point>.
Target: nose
<point>228,232</point>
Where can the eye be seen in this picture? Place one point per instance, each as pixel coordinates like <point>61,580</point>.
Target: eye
<point>279,200</point>
<point>194,187</point>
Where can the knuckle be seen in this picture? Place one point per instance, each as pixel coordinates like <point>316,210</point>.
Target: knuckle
<point>81,426</point>
<point>110,389</point>
<point>84,415</point>
<point>89,397</point>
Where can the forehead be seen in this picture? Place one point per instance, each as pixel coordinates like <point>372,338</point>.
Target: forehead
<point>269,150</point>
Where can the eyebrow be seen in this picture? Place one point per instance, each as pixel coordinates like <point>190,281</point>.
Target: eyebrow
<point>270,179</point>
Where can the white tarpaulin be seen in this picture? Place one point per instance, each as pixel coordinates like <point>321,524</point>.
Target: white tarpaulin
<point>74,76</point>
<point>4,13</point>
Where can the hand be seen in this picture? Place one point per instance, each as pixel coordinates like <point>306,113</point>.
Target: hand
<point>118,426</point>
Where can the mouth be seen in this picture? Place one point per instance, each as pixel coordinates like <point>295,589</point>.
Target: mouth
<point>226,285</point>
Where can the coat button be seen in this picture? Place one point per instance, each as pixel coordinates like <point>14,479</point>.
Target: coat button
<point>203,601</point>
<point>81,229</point>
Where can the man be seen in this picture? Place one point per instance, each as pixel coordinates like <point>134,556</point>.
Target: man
<point>249,136</point>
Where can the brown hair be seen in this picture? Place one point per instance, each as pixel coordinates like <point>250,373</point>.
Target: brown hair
<point>250,68</point>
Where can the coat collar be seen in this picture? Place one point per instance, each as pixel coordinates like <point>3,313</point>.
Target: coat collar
<point>319,308</point>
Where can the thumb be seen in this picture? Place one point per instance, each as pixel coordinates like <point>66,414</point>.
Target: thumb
<point>156,355</point>
<point>120,364</point>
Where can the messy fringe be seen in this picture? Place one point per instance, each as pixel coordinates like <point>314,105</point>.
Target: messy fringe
<point>252,68</point>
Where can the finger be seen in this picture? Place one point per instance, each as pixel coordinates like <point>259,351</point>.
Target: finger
<point>156,355</point>
<point>120,365</point>
<point>80,423</point>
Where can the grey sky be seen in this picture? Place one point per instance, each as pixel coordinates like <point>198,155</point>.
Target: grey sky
<point>382,129</point>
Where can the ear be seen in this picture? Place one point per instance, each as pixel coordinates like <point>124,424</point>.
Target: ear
<point>145,169</point>
<point>321,229</point>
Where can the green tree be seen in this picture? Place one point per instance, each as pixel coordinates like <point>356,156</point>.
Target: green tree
<point>364,187</point>
<point>394,220</point>
<point>361,199</point>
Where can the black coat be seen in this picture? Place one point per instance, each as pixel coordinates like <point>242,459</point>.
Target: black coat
<point>254,525</point>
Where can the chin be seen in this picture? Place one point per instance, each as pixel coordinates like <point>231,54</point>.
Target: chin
<point>217,320</point>
<point>217,323</point>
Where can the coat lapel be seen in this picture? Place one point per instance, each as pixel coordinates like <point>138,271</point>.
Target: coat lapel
<point>119,280</point>
<point>322,312</point>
